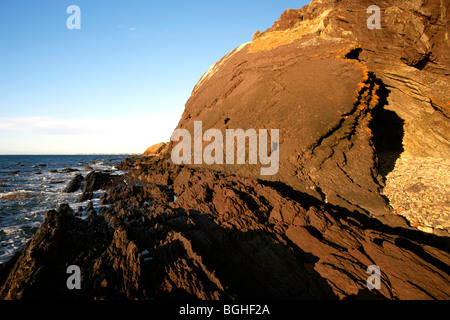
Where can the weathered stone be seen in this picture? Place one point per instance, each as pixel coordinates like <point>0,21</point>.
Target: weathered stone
<point>74,184</point>
<point>348,101</point>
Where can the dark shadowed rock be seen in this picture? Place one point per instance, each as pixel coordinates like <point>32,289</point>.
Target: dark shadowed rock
<point>96,180</point>
<point>90,209</point>
<point>74,184</point>
<point>225,237</point>
<point>61,238</point>
<point>85,196</point>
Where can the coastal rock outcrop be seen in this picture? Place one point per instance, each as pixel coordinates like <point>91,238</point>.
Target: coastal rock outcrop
<point>74,184</point>
<point>171,232</point>
<point>93,181</point>
<point>156,149</point>
<point>349,101</point>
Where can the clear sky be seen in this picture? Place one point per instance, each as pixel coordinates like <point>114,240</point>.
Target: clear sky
<point>120,83</point>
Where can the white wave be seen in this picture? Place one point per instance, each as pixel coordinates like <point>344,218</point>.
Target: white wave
<point>14,230</point>
<point>17,193</point>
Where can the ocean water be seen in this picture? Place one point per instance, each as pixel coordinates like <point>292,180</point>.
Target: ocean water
<point>29,188</point>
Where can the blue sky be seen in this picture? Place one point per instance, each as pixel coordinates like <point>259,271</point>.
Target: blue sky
<point>120,83</point>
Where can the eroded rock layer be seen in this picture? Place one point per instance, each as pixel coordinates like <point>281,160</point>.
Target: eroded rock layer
<point>348,100</point>
<point>176,232</point>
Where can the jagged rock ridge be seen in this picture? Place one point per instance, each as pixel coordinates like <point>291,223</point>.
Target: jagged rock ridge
<point>181,233</point>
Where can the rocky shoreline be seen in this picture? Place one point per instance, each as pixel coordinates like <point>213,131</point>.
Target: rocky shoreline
<point>362,184</point>
<point>171,232</point>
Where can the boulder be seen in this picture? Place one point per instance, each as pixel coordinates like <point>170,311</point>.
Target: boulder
<point>96,180</point>
<point>74,184</point>
<point>69,170</point>
<point>156,149</point>
<point>85,197</point>
<point>62,237</point>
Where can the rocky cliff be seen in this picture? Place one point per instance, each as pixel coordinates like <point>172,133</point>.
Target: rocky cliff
<point>349,101</point>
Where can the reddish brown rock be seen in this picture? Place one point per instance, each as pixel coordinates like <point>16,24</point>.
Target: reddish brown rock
<point>156,149</point>
<point>209,235</point>
<point>347,100</point>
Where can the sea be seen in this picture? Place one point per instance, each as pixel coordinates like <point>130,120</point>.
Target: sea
<point>31,185</point>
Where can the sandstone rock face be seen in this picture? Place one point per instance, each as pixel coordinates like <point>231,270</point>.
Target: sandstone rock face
<point>172,232</point>
<point>346,99</point>
<point>156,149</point>
<point>410,55</point>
